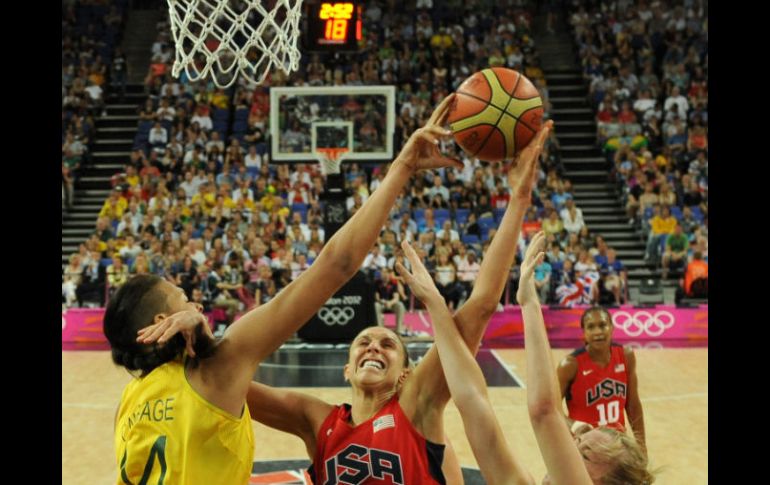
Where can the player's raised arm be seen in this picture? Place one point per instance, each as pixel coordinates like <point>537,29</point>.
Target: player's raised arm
<point>493,274</point>
<point>465,381</point>
<point>561,456</point>
<point>261,331</point>
<point>473,316</point>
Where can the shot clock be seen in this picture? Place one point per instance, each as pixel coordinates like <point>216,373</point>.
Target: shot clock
<point>332,26</point>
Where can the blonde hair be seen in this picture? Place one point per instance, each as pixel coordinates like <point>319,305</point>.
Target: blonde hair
<point>628,460</point>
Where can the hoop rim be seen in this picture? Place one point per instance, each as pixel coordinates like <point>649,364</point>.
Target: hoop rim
<point>333,153</point>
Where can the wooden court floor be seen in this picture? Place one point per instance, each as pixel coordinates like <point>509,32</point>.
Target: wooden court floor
<point>673,385</point>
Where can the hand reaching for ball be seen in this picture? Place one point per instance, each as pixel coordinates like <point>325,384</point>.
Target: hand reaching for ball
<point>522,173</point>
<point>421,151</point>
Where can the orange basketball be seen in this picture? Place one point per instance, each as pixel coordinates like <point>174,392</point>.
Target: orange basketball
<point>495,114</point>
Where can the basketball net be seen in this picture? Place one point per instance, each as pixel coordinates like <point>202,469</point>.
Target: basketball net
<point>226,38</point>
<point>331,159</point>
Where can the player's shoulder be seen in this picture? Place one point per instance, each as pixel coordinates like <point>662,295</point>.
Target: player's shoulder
<point>628,351</point>
<point>576,353</point>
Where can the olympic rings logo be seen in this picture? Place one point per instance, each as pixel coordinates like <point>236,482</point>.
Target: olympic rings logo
<point>651,324</point>
<point>336,315</point>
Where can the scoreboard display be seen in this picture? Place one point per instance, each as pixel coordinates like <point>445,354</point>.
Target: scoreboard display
<point>332,26</point>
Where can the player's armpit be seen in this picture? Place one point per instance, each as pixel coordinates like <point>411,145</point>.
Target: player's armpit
<point>288,411</point>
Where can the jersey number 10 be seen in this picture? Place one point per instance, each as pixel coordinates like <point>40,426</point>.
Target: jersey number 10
<point>609,413</point>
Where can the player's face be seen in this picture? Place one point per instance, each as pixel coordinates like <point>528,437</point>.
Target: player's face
<point>597,330</point>
<point>376,357</point>
<point>177,301</point>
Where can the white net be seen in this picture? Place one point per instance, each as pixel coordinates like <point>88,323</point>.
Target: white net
<point>225,38</point>
<point>330,167</point>
<point>330,159</point>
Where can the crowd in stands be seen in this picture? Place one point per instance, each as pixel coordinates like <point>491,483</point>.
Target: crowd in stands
<point>647,67</point>
<point>90,31</point>
<point>199,202</point>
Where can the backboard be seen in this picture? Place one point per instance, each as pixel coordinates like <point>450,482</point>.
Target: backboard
<point>359,118</point>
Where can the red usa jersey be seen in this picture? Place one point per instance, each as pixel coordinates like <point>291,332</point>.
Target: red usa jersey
<point>597,395</point>
<point>386,449</point>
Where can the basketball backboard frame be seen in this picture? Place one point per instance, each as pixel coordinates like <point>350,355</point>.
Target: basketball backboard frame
<point>277,94</point>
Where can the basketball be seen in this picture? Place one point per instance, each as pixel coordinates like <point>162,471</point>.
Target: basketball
<point>496,113</point>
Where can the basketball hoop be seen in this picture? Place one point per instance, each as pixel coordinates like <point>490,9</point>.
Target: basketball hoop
<point>331,159</point>
<point>226,38</point>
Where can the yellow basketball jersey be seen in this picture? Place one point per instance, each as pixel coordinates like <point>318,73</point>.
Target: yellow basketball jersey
<point>168,434</point>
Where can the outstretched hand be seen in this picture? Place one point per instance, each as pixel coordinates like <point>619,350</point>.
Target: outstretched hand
<point>522,174</point>
<point>421,151</point>
<point>419,280</point>
<point>183,322</point>
<point>534,256</point>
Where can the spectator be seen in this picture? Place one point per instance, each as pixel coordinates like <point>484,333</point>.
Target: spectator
<point>73,274</point>
<point>467,271</point>
<point>165,112</point>
<point>675,254</point>
<point>572,218</point>
<point>696,277</point>
<point>661,225</point>
<point>221,292</point>
<point>117,274</point>
<point>130,249</point>
<point>446,280</point>
<point>388,296</point>
<point>560,198</point>
<point>446,230</point>
<point>438,188</point>
<point>553,224</point>
<point>697,139</point>
<point>689,222</point>
<point>119,75</point>
<point>148,112</point>
<point>428,223</point>
<point>614,277</point>
<point>585,263</point>
<point>374,261</point>
<point>93,280</point>
<point>676,99</point>
<point>95,97</point>
<point>202,118</point>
